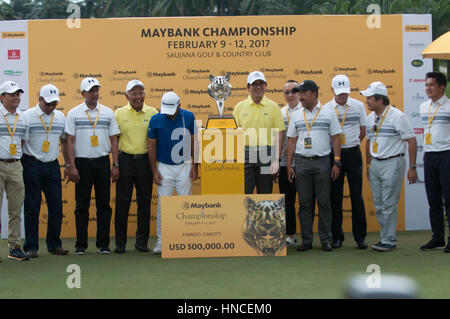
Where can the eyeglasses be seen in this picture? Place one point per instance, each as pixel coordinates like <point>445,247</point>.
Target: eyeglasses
<point>375,128</point>
<point>287,92</point>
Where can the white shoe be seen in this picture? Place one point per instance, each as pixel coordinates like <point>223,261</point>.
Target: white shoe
<point>291,241</point>
<point>157,248</point>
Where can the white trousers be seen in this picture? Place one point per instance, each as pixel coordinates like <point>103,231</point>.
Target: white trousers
<point>173,177</point>
<point>386,180</point>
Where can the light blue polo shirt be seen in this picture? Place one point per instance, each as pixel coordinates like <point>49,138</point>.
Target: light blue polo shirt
<point>173,136</point>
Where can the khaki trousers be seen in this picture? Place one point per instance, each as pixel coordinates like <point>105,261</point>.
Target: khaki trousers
<point>11,181</point>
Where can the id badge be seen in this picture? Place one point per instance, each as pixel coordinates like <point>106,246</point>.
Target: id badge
<point>94,140</point>
<point>375,147</point>
<point>342,137</point>
<point>428,138</point>
<point>45,146</point>
<point>308,142</point>
<point>12,149</point>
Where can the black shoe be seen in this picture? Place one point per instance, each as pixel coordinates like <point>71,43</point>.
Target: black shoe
<point>362,245</point>
<point>432,245</point>
<point>119,250</point>
<point>327,246</point>
<point>304,247</point>
<point>447,248</point>
<point>104,250</point>
<point>142,249</point>
<point>336,243</point>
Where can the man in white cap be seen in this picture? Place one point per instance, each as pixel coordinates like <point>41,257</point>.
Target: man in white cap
<point>388,132</point>
<point>352,118</point>
<point>134,167</point>
<point>41,172</point>
<point>171,137</point>
<point>263,123</point>
<point>13,131</point>
<point>92,133</point>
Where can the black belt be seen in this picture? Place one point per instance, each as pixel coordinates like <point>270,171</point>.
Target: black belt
<point>386,158</point>
<point>93,159</point>
<point>312,157</point>
<point>9,160</point>
<point>354,148</point>
<point>135,156</point>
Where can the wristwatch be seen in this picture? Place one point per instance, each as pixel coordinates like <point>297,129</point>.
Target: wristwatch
<point>338,163</point>
<point>413,166</point>
<point>66,165</point>
<point>116,165</point>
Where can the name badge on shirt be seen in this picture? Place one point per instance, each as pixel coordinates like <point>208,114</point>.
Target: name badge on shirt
<point>308,142</point>
<point>94,140</point>
<point>342,137</point>
<point>12,149</point>
<point>428,138</point>
<point>45,146</point>
<point>375,147</point>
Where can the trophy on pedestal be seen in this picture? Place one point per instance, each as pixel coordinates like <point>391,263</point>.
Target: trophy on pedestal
<point>220,89</point>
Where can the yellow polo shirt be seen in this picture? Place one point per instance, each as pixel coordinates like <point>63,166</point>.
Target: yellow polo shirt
<point>253,117</point>
<point>134,128</point>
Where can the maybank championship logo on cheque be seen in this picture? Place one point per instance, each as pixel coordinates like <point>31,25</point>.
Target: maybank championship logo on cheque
<point>201,213</point>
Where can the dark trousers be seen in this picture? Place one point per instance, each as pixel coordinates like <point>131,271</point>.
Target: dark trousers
<point>135,171</point>
<point>93,172</point>
<point>352,167</point>
<point>437,185</point>
<point>288,189</point>
<point>255,169</point>
<point>313,179</point>
<point>42,177</point>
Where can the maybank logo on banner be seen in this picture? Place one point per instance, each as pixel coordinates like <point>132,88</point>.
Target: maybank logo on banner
<point>417,28</point>
<point>14,35</point>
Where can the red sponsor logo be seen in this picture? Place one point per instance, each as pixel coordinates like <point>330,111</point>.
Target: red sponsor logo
<point>417,80</point>
<point>13,54</point>
<point>418,130</point>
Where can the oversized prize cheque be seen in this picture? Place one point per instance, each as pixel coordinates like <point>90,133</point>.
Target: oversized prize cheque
<point>223,226</point>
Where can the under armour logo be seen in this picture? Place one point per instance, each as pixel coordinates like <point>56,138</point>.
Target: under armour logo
<point>91,81</point>
<point>52,92</point>
<point>341,83</point>
<point>13,84</point>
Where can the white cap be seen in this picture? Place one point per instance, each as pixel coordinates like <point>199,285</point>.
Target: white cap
<point>169,103</point>
<point>375,88</point>
<point>340,84</point>
<point>88,83</point>
<point>134,83</point>
<point>49,93</point>
<point>9,87</point>
<point>255,76</point>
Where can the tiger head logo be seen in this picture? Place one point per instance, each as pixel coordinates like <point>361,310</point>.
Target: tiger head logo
<point>265,226</point>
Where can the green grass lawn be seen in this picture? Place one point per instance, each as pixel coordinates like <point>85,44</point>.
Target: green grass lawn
<point>310,274</point>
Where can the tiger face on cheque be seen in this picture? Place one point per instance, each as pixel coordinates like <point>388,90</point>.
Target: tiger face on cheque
<point>265,226</point>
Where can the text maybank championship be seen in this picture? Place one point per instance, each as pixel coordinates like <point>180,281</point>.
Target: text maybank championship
<point>179,54</point>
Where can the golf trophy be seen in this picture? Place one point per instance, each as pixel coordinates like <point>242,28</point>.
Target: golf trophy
<point>220,89</point>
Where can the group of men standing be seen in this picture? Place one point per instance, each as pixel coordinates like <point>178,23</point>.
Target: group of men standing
<point>308,146</point>
<point>321,146</point>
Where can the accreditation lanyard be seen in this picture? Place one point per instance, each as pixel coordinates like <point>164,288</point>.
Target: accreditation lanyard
<point>375,143</point>
<point>94,138</point>
<point>342,136</point>
<point>309,126</point>
<point>12,146</point>
<point>430,121</point>
<point>46,143</point>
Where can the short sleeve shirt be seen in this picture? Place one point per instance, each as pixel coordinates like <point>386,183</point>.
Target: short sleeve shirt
<point>173,137</point>
<point>392,133</point>
<point>37,133</point>
<point>355,117</point>
<point>325,125</point>
<point>79,125</point>
<point>21,132</point>
<point>259,120</point>
<point>440,126</point>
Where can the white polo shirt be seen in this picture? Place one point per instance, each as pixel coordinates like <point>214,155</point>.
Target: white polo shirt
<point>355,117</point>
<point>392,134</point>
<point>440,126</point>
<point>20,134</point>
<point>78,125</point>
<point>287,112</point>
<point>325,125</point>
<point>37,133</point>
